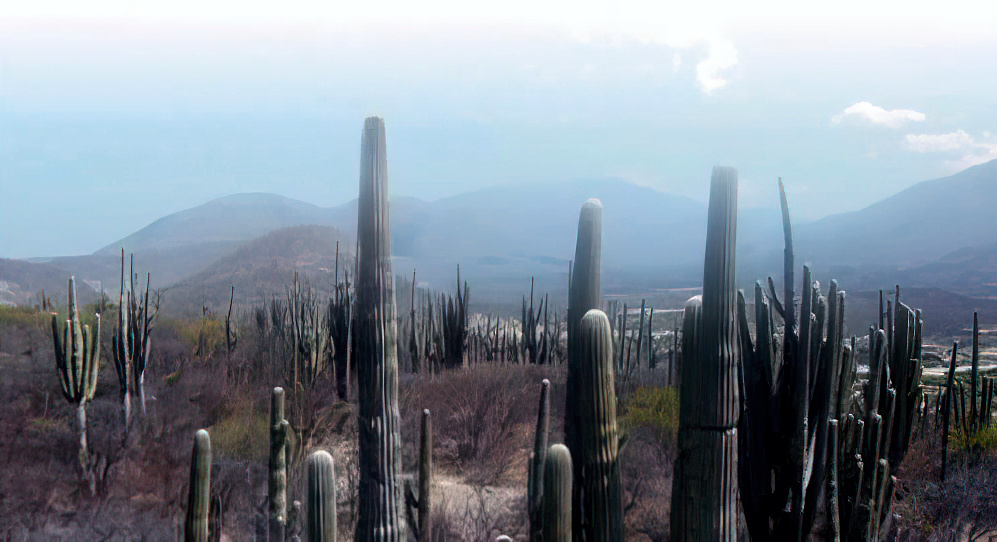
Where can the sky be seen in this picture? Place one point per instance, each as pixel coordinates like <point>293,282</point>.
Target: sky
<point>116,113</point>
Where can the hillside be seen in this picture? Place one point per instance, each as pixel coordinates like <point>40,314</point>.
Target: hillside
<point>916,226</point>
<point>263,267</point>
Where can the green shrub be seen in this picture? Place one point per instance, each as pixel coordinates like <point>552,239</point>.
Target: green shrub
<point>653,408</point>
<point>242,435</point>
<point>985,439</point>
<point>23,317</point>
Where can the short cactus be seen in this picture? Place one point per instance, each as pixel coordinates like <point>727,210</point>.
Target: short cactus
<point>320,497</point>
<point>277,484</point>
<point>199,492</point>
<point>557,495</point>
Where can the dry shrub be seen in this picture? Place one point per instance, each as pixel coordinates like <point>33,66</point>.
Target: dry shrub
<point>483,417</point>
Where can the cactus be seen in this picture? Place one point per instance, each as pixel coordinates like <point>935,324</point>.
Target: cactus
<point>584,294</point>
<point>379,517</point>
<point>130,344</point>
<point>199,491</point>
<point>277,482</point>
<point>599,477</point>
<point>538,457</point>
<point>426,478</point>
<point>320,497</point>
<point>77,360</point>
<point>704,501</point>
<point>557,495</point>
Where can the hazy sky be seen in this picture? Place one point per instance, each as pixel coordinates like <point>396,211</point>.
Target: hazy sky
<point>115,113</point>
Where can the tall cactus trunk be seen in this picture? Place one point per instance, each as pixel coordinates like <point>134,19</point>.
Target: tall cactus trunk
<point>277,482</point>
<point>320,497</point>
<point>584,295</point>
<point>557,495</point>
<point>705,498</point>
<point>535,482</point>
<point>199,491</point>
<point>426,478</point>
<point>379,515</point>
<point>601,493</point>
<point>84,454</point>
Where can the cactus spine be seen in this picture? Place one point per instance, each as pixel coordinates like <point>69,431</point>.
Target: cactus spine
<point>584,294</point>
<point>557,495</point>
<point>379,516</point>
<point>199,492</point>
<point>277,483</point>
<point>538,458</point>
<point>77,359</point>
<point>320,497</point>
<point>705,498</point>
<point>601,492</point>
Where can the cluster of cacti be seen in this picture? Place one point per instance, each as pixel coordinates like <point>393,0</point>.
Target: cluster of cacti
<point>77,360</point>
<point>704,494</point>
<point>307,334</point>
<point>130,344</point>
<point>537,339</point>
<point>379,515</point>
<point>339,320</point>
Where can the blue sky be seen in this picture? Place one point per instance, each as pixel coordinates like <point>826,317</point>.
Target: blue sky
<point>113,114</point>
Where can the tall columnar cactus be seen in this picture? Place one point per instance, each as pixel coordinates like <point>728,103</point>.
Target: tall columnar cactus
<point>320,497</point>
<point>199,491</point>
<point>379,514</point>
<point>584,294</point>
<point>600,493</point>
<point>277,483</point>
<point>121,347</point>
<point>557,495</point>
<point>538,457</point>
<point>704,501</point>
<point>77,359</point>
<point>426,478</point>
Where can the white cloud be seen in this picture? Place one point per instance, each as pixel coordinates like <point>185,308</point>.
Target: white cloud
<point>965,149</point>
<point>710,72</point>
<point>874,114</point>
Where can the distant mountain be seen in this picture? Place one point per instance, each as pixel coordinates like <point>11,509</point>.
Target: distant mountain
<point>21,282</point>
<point>916,226</point>
<point>235,218</point>
<point>262,267</point>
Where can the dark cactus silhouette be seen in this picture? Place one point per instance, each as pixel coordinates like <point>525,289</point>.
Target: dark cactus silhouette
<point>379,514</point>
<point>538,458</point>
<point>704,498</point>
<point>199,490</point>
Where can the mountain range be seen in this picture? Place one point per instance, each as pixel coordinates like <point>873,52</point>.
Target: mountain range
<point>938,233</point>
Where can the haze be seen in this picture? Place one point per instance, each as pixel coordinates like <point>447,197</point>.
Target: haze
<point>113,114</point>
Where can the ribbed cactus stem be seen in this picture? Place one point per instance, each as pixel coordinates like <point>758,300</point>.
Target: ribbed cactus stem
<point>277,482</point>
<point>704,501</point>
<point>833,508</point>
<point>320,497</point>
<point>557,495</point>
<point>379,514</point>
<point>600,492</point>
<point>426,477</point>
<point>199,491</point>
<point>538,458</point>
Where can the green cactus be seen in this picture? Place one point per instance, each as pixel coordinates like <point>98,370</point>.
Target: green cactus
<point>320,497</point>
<point>199,491</point>
<point>426,477</point>
<point>704,501</point>
<point>77,360</point>
<point>277,482</point>
<point>538,457</point>
<point>601,493</point>
<point>584,294</point>
<point>557,495</point>
<point>379,514</point>
<point>130,344</point>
